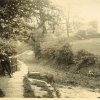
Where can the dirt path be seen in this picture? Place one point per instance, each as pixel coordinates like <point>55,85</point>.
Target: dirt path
<point>13,87</point>
<point>77,92</point>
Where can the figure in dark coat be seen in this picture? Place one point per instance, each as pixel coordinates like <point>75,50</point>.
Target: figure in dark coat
<point>5,63</point>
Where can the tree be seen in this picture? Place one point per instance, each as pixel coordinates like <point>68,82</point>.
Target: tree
<point>8,11</point>
<point>68,23</point>
<point>46,15</point>
<point>41,11</point>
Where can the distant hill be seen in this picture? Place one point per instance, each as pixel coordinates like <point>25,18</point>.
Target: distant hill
<point>87,36</point>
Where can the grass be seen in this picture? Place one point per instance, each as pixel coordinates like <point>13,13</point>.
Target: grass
<point>67,76</point>
<point>91,45</point>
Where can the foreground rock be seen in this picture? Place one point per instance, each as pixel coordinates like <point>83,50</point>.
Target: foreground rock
<point>42,85</point>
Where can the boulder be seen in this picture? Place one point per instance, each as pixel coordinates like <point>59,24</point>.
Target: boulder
<point>49,78</point>
<point>34,75</point>
<point>37,82</point>
<point>45,82</point>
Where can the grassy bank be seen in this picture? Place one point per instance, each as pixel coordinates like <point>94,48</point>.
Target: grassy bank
<point>64,74</point>
<point>92,45</point>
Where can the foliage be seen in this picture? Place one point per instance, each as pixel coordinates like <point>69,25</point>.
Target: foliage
<point>8,11</point>
<point>83,53</point>
<point>16,16</point>
<point>57,49</point>
<point>85,59</point>
<point>41,12</point>
<point>9,47</point>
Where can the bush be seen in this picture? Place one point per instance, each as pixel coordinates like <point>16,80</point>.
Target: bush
<point>83,53</point>
<point>85,58</point>
<point>58,50</point>
<point>8,46</point>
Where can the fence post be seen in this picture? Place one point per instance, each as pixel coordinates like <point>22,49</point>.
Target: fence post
<point>13,64</point>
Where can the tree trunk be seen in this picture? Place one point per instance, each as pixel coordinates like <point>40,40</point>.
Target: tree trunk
<point>36,48</point>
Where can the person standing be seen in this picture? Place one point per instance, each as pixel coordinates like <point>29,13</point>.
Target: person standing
<point>5,63</point>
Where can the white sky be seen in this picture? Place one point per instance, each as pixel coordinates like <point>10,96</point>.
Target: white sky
<point>87,9</point>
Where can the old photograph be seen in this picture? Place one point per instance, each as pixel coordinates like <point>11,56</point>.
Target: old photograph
<point>49,48</point>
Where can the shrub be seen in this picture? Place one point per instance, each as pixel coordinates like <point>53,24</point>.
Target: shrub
<point>8,46</point>
<point>58,50</point>
<point>85,58</point>
<point>83,53</point>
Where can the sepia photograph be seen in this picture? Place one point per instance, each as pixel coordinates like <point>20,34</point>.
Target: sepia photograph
<point>49,49</point>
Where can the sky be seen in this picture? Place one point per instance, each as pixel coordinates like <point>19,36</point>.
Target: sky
<point>85,9</point>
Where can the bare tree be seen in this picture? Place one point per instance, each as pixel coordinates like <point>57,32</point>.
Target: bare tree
<point>68,23</point>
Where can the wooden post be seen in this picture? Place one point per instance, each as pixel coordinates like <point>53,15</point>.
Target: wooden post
<point>13,64</point>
